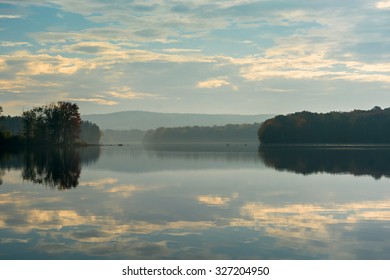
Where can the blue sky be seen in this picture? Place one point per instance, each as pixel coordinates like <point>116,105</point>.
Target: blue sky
<point>198,56</point>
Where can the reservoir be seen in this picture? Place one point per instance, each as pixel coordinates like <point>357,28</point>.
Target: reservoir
<point>204,201</point>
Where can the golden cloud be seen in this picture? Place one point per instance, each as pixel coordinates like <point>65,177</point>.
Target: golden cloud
<point>215,200</point>
<point>10,16</point>
<point>128,93</point>
<point>100,101</point>
<point>310,221</point>
<point>383,5</point>
<point>302,61</point>
<point>216,83</point>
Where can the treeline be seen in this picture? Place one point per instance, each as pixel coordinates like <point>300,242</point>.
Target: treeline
<point>10,129</point>
<point>55,124</point>
<point>226,133</point>
<point>356,127</point>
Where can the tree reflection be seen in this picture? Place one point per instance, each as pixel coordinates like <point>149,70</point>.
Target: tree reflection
<point>1,176</point>
<point>57,168</point>
<point>373,161</point>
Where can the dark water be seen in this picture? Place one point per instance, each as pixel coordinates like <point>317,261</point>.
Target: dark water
<point>195,202</point>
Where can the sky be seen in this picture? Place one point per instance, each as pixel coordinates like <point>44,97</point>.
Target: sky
<point>195,56</point>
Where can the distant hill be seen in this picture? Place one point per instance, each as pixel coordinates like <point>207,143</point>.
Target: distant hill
<point>150,120</point>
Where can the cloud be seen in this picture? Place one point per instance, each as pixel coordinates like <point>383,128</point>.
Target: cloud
<point>13,107</point>
<point>15,86</point>
<point>90,34</point>
<point>15,44</point>
<point>127,93</point>
<point>10,16</point>
<point>106,53</point>
<point>256,44</point>
<point>305,62</point>
<point>22,84</point>
<point>309,221</point>
<point>3,65</point>
<point>149,56</point>
<point>277,90</point>
<point>176,50</point>
<point>100,101</point>
<point>45,64</point>
<point>383,5</point>
<point>213,83</point>
<point>90,47</point>
<point>216,83</point>
<point>148,33</point>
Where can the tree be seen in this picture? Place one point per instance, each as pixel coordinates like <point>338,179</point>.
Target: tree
<point>57,123</point>
<point>356,127</point>
<point>71,121</point>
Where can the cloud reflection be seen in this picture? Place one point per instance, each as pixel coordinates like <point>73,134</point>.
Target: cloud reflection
<point>195,213</point>
<point>115,235</point>
<point>215,200</point>
<point>305,223</point>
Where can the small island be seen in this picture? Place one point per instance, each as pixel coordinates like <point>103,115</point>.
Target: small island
<point>356,127</point>
<point>55,124</point>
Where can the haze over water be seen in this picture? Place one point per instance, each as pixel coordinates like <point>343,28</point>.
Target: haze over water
<point>204,202</point>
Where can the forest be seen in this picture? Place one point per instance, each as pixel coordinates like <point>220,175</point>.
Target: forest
<point>54,124</point>
<point>356,127</point>
<point>192,134</point>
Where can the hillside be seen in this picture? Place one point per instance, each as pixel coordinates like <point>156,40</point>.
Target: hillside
<point>150,120</point>
<point>356,127</point>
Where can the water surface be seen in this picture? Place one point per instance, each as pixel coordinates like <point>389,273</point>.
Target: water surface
<point>198,202</point>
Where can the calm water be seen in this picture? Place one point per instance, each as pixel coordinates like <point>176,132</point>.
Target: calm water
<point>205,202</point>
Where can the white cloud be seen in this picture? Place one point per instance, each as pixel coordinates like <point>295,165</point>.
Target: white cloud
<point>245,40</point>
<point>213,83</point>
<point>176,50</point>
<point>21,84</point>
<point>38,64</point>
<point>100,101</point>
<point>305,61</point>
<point>128,93</point>
<point>10,16</point>
<point>216,83</point>
<point>56,65</point>
<point>383,5</point>
<point>103,53</point>
<point>14,44</point>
